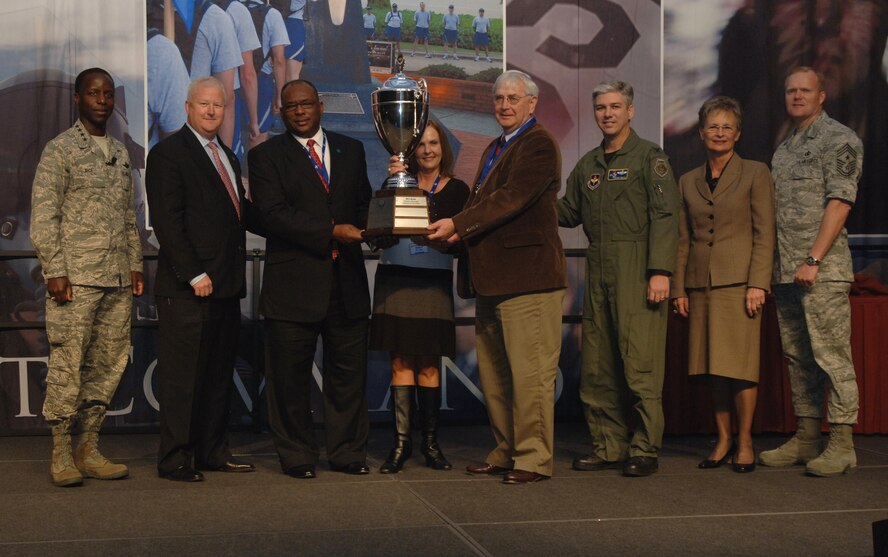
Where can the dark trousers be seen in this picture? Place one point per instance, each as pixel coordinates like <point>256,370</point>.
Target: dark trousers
<point>290,350</point>
<point>196,346</point>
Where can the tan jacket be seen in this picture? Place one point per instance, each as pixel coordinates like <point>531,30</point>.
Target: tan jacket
<point>726,237</point>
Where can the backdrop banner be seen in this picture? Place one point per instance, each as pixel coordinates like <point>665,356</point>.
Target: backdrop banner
<point>672,59</point>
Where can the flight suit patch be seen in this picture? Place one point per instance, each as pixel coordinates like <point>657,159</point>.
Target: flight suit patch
<point>594,182</point>
<point>617,174</point>
<point>661,168</point>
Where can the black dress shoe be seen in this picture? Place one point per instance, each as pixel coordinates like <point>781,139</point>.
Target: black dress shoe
<point>742,468</point>
<point>488,469</point>
<point>523,477</point>
<point>354,468</point>
<point>183,474</point>
<point>708,463</point>
<point>231,465</point>
<point>594,463</point>
<point>302,472</point>
<point>638,466</point>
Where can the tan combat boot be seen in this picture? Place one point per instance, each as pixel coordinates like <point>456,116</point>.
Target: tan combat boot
<point>839,457</point>
<point>62,470</point>
<point>87,456</point>
<point>801,448</point>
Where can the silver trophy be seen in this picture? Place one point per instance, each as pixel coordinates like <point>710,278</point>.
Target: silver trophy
<point>400,112</point>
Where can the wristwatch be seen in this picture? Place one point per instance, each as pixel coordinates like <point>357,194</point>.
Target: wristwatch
<point>813,261</point>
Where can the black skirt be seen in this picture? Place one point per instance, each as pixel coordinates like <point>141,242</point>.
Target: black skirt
<point>413,311</point>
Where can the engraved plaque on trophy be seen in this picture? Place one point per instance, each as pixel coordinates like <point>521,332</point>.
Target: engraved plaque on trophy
<point>400,113</point>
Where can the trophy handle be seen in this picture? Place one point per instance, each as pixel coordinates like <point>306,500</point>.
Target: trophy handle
<point>422,96</point>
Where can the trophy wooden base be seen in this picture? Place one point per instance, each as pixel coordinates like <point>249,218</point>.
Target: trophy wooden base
<point>398,212</point>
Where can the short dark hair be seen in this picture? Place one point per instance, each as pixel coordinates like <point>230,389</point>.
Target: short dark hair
<point>293,82</point>
<point>81,77</point>
<point>720,104</point>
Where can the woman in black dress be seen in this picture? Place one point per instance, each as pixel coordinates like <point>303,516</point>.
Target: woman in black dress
<point>413,306</point>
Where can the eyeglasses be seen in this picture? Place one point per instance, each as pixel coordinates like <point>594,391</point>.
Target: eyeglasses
<point>306,105</point>
<point>715,128</point>
<point>511,100</point>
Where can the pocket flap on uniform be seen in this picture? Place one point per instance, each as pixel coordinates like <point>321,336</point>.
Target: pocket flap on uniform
<point>88,240</point>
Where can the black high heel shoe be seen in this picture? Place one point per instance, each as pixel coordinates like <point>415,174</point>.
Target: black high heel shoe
<point>741,468</point>
<point>707,464</point>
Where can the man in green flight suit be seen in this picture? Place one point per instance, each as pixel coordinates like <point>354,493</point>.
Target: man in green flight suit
<point>624,195</point>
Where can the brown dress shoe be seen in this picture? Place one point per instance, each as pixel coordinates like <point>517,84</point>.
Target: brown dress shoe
<point>523,477</point>
<point>488,469</point>
<point>594,463</point>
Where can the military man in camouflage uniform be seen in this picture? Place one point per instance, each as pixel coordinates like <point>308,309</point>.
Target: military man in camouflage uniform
<point>83,228</point>
<point>624,194</point>
<point>816,170</point>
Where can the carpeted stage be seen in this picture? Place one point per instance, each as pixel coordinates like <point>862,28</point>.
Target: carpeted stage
<point>679,511</point>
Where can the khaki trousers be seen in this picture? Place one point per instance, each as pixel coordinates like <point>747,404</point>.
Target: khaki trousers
<point>518,340</point>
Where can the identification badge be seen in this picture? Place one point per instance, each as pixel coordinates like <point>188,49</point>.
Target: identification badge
<point>594,182</point>
<point>416,249</point>
<point>617,174</point>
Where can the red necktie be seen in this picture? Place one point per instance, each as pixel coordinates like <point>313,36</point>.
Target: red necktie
<point>318,165</point>
<point>499,147</point>
<point>318,162</point>
<point>226,179</point>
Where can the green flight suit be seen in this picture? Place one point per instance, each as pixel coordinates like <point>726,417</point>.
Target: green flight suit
<point>629,210</point>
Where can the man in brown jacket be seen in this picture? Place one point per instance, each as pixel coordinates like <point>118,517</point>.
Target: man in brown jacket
<point>516,269</point>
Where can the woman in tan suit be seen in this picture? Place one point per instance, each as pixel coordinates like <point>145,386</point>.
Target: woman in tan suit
<point>725,254</point>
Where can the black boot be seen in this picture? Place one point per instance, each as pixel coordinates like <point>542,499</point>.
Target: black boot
<point>429,404</point>
<point>402,404</point>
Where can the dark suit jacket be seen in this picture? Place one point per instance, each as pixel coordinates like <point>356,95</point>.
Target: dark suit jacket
<point>194,219</point>
<point>509,226</point>
<point>297,215</point>
<point>726,236</point>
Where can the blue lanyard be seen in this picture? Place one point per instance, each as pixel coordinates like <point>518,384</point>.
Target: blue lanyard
<point>493,156</point>
<point>321,170</point>
<point>435,186</point>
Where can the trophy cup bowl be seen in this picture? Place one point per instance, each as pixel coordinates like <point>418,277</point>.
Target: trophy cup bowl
<point>400,113</point>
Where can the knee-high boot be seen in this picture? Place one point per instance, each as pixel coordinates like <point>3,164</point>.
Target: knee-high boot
<point>429,405</point>
<point>402,404</point>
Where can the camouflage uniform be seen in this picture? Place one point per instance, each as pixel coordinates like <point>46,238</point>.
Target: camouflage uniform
<point>83,227</point>
<point>629,210</point>
<point>820,162</point>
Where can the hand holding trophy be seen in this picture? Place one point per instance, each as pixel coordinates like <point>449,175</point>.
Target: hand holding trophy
<point>400,113</point>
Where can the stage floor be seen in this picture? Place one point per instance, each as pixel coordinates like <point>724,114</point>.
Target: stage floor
<point>678,511</point>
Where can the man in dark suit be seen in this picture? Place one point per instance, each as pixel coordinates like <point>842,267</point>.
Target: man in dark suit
<point>516,266</point>
<point>199,215</point>
<point>311,195</point>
